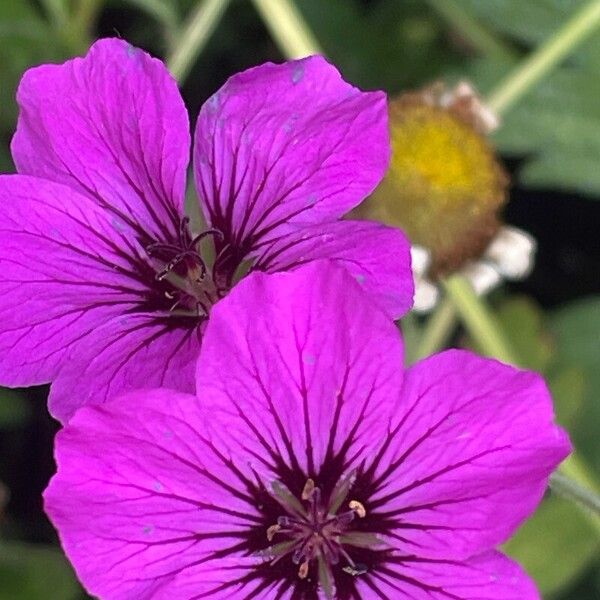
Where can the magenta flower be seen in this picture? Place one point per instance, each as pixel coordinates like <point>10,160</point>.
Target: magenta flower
<point>104,286</point>
<point>310,465</point>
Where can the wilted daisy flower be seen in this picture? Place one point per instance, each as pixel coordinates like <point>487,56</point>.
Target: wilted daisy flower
<point>445,187</point>
<point>310,465</point>
<point>105,286</point>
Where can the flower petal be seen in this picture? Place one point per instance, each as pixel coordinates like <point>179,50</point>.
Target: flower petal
<point>128,352</point>
<point>489,576</point>
<point>282,145</point>
<point>113,126</point>
<point>304,359</point>
<point>67,267</point>
<point>141,501</point>
<point>468,455</point>
<point>377,256</point>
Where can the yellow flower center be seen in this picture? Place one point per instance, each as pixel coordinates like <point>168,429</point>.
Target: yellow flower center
<point>444,186</point>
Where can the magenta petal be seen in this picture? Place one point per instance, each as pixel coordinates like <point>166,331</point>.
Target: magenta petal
<point>128,352</point>
<point>223,578</point>
<point>469,454</point>
<point>111,125</point>
<point>282,145</point>
<point>489,576</point>
<point>304,358</point>
<point>378,257</point>
<point>66,269</point>
<point>141,501</point>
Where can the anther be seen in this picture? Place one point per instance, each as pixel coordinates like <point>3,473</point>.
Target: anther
<point>271,531</point>
<point>303,570</point>
<point>358,508</point>
<point>309,488</point>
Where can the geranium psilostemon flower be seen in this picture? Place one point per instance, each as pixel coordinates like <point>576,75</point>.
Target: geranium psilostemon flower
<point>310,465</point>
<point>104,285</point>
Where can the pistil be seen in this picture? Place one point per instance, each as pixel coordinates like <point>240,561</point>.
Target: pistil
<point>181,265</point>
<point>316,532</point>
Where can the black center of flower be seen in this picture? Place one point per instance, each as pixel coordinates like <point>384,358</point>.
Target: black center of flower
<point>316,533</point>
<point>186,282</point>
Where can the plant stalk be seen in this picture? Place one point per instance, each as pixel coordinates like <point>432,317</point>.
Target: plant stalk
<point>539,63</point>
<point>288,28</point>
<point>194,36</point>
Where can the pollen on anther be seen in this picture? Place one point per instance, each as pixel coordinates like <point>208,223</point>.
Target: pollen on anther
<point>303,570</point>
<point>271,531</point>
<point>358,508</point>
<point>309,488</point>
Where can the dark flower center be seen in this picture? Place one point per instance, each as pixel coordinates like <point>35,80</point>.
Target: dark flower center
<point>316,533</point>
<point>187,282</point>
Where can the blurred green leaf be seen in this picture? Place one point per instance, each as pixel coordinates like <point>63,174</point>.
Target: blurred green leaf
<point>568,392</point>
<point>555,545</point>
<point>14,410</point>
<point>521,320</point>
<point>386,44</point>
<point>26,39</point>
<point>557,125</point>
<point>576,328</point>
<point>6,163</point>
<point>34,572</point>
<point>165,13</point>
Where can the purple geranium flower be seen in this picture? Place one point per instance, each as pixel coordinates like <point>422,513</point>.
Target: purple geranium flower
<point>310,465</point>
<point>104,286</point>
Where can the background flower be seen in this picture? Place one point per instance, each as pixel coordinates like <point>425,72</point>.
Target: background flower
<point>310,465</point>
<point>106,287</point>
<point>446,189</point>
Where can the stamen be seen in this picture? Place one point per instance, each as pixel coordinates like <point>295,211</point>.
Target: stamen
<point>303,570</point>
<point>361,539</point>
<point>204,234</point>
<point>287,499</point>
<point>158,247</point>
<point>309,488</point>
<point>356,570</point>
<point>325,578</point>
<point>184,267</point>
<point>317,533</point>
<point>340,492</point>
<point>358,508</point>
<point>184,234</point>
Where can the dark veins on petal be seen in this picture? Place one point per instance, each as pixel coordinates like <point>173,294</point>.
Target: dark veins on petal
<point>327,529</point>
<point>181,284</point>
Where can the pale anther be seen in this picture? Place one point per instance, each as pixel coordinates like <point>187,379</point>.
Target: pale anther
<point>358,508</point>
<point>271,531</point>
<point>303,570</point>
<point>309,488</point>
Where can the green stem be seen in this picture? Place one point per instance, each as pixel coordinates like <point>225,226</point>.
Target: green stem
<point>56,12</point>
<point>438,329</point>
<point>288,28</point>
<point>538,64</point>
<point>573,491</point>
<point>194,36</point>
<point>472,30</point>
<point>478,319</point>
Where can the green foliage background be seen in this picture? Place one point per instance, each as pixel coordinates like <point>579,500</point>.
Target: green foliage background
<point>554,132</point>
